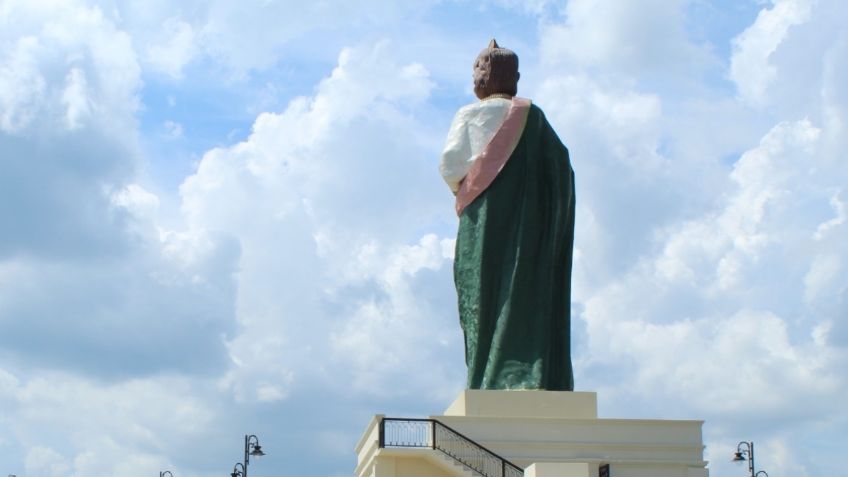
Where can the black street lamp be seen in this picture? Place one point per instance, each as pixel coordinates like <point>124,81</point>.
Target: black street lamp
<point>165,473</point>
<point>238,473</point>
<point>744,448</point>
<point>251,448</point>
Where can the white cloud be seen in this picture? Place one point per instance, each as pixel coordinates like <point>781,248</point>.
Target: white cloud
<point>613,134</point>
<point>529,6</point>
<point>841,216</point>
<point>75,98</point>
<point>113,429</point>
<point>710,277</point>
<point>45,461</point>
<point>383,339</point>
<point>137,200</point>
<point>698,321</point>
<point>706,362</point>
<point>750,67</point>
<point>240,39</point>
<point>21,85</point>
<point>314,178</point>
<point>173,129</point>
<point>246,38</point>
<point>70,157</point>
<point>833,95</point>
<point>176,47</point>
<point>823,275</point>
<point>68,129</point>
<point>629,37</point>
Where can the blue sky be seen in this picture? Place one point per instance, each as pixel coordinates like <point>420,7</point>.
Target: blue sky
<point>224,218</point>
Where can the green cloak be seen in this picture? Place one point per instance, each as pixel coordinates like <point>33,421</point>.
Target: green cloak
<point>513,268</point>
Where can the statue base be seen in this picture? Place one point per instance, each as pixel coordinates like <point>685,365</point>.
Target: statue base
<point>546,433</point>
<point>541,404</point>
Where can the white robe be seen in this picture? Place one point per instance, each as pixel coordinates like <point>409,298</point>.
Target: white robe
<point>473,127</point>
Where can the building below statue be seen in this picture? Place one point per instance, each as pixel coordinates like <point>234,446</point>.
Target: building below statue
<point>530,433</point>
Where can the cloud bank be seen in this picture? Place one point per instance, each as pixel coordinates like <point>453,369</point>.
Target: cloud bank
<point>299,278</point>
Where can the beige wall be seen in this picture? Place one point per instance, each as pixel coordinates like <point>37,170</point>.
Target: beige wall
<point>406,463</point>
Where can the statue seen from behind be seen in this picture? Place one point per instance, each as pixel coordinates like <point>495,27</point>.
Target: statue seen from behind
<point>514,190</point>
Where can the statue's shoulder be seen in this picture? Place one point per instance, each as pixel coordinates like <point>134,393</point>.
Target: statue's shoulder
<point>538,113</point>
<point>472,108</point>
<point>475,110</point>
<point>535,109</point>
<point>467,111</point>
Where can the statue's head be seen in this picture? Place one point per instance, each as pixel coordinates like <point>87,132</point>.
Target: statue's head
<point>496,71</point>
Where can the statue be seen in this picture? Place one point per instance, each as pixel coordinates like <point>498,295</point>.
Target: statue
<point>514,190</point>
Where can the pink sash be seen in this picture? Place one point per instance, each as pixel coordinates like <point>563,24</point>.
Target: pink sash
<point>495,155</point>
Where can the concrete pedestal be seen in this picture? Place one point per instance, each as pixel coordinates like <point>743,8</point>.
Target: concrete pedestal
<point>549,434</point>
<point>556,469</point>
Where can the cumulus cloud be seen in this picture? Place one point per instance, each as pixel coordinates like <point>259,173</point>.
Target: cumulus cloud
<point>707,279</point>
<point>334,184</point>
<point>21,85</point>
<point>383,337</point>
<point>529,6</point>
<point>707,297</point>
<point>87,282</point>
<point>240,39</point>
<point>176,47</point>
<point>114,429</point>
<point>750,67</point>
<point>45,461</point>
<point>67,129</point>
<point>312,257</point>
<point>627,37</point>
<point>613,134</point>
<point>75,99</point>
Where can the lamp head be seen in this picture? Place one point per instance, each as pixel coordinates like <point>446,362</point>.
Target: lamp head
<point>738,457</point>
<point>257,450</point>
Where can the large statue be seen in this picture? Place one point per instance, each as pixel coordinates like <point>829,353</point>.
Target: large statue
<point>514,190</point>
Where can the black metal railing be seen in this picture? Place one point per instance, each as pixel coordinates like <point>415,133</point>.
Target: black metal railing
<point>432,434</point>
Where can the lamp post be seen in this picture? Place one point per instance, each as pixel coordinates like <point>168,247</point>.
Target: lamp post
<point>165,473</point>
<point>251,448</point>
<point>744,448</point>
<point>238,473</point>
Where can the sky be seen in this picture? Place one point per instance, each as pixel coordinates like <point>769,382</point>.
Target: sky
<point>221,218</point>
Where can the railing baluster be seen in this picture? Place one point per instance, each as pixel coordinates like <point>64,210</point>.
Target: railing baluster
<point>430,433</point>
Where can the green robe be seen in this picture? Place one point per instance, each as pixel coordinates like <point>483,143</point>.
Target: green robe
<point>513,268</point>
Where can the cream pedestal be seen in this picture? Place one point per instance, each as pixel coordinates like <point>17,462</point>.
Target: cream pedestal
<point>549,434</point>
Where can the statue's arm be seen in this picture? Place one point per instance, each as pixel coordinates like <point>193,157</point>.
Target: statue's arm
<point>456,156</point>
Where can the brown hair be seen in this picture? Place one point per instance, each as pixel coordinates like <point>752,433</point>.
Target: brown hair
<point>503,75</point>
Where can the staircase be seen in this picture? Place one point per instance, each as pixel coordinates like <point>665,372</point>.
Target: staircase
<point>458,449</point>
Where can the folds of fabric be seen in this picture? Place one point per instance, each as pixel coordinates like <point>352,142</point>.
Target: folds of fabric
<point>513,268</point>
<point>494,156</point>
